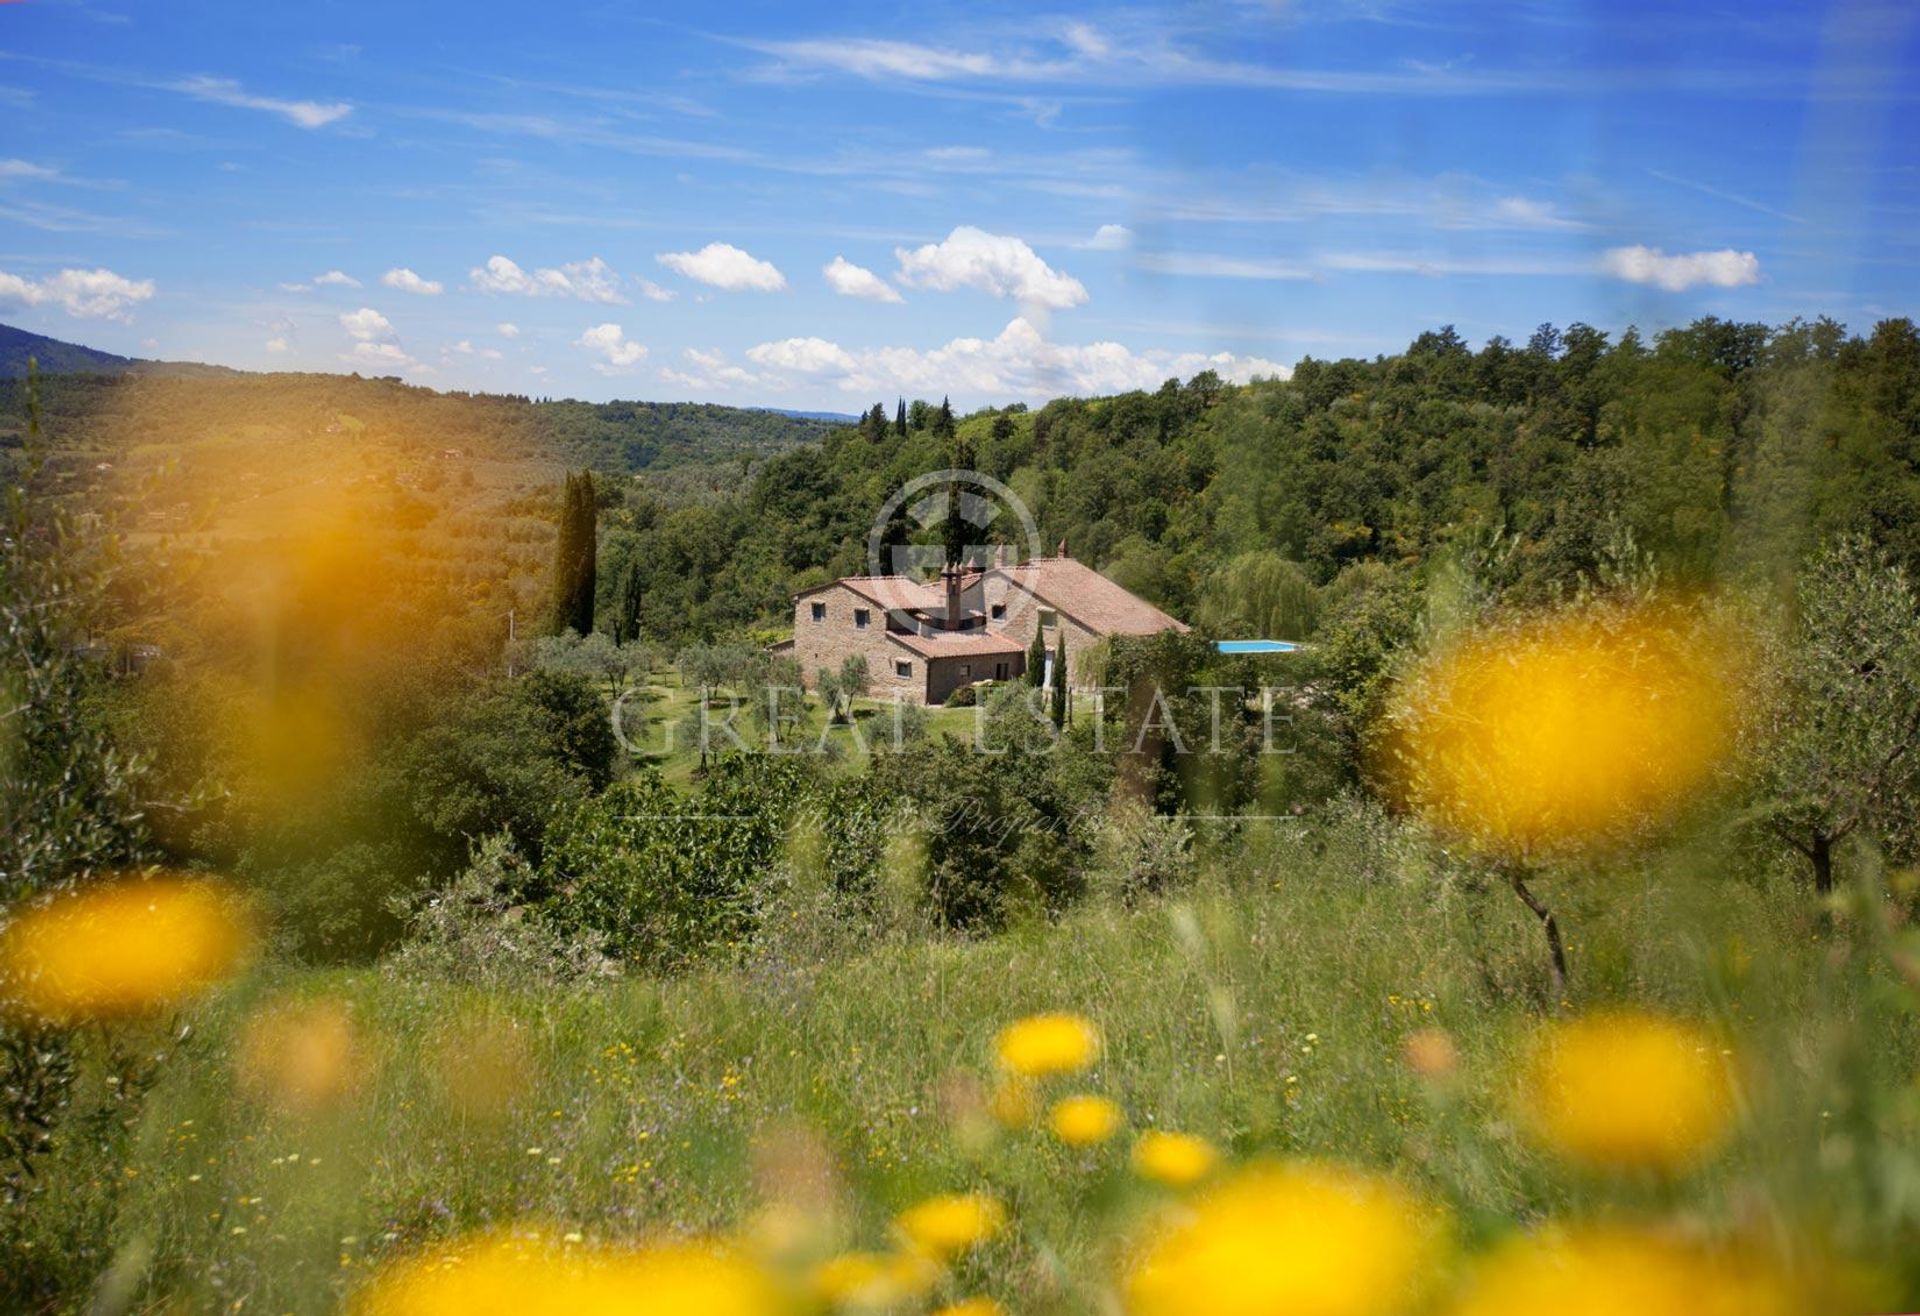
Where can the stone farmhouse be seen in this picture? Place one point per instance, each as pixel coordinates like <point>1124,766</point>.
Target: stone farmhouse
<point>924,640</point>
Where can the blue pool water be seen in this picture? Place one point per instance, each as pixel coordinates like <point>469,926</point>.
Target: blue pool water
<point>1257,646</point>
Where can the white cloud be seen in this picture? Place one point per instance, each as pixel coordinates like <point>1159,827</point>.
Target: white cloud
<point>507,329</point>
<point>465,347</point>
<point>611,342</point>
<point>653,292</point>
<point>808,356</point>
<point>991,263</point>
<point>27,169</point>
<point>1682,270</point>
<point>366,325</point>
<point>296,287</point>
<point>1111,237</point>
<point>407,281</point>
<point>337,278</point>
<point>850,280</point>
<point>726,267</point>
<point>225,91</point>
<point>1206,266</point>
<point>1018,363</point>
<point>276,345</point>
<point>591,280</point>
<point>86,294</point>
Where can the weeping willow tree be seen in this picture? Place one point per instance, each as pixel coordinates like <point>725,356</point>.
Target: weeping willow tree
<point>1260,595</point>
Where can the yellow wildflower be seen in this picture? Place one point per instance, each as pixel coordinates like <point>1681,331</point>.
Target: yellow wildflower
<point>1623,1090</point>
<point>121,949</point>
<point>973,1307</point>
<point>1084,1120</point>
<point>1606,1271</point>
<point>1174,1159</point>
<point>1432,1055</point>
<point>1566,730</point>
<point>1291,1239</point>
<point>1043,1045</point>
<point>874,1279</point>
<point>300,1057</point>
<point>944,1227</point>
<point>536,1275</point>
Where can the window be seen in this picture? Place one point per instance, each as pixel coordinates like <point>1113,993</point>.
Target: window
<point>819,612</point>
<point>861,617</point>
<point>904,670</point>
<point>999,611</point>
<point>999,671</point>
<point>1048,617</point>
<point>966,669</point>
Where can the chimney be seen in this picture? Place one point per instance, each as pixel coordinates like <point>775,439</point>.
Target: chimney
<point>1062,550</point>
<point>950,577</point>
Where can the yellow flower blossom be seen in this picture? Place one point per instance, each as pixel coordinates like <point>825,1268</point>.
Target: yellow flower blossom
<point>1084,1120</point>
<point>973,1307</point>
<point>1607,1271</point>
<point>300,1057</point>
<point>121,949</point>
<point>875,1279</point>
<point>536,1275</point>
<point>944,1227</point>
<point>1564,731</point>
<point>1289,1239</point>
<point>1044,1045</point>
<point>1177,1160</point>
<point>1627,1091</point>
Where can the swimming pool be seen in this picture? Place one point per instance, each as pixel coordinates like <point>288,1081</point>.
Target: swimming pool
<point>1257,646</point>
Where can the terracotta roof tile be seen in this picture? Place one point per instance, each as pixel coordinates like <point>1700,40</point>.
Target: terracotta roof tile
<point>957,644</point>
<point>1088,597</point>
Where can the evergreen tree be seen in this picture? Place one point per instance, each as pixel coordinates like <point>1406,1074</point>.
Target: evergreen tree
<point>875,424</point>
<point>943,426</point>
<point>626,623</point>
<point>900,419</point>
<point>1037,657</point>
<point>1060,680</point>
<point>575,550</point>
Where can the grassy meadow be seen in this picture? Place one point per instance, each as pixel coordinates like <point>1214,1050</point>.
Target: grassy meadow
<point>311,1124</point>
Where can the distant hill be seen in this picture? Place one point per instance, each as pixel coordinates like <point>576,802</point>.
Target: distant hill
<point>55,357</point>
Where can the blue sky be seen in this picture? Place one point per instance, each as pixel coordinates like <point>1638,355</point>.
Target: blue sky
<point>820,206</point>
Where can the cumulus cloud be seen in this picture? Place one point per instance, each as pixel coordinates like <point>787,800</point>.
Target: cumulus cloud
<point>86,294</point>
<point>507,329</point>
<point>366,325</point>
<point>337,278</point>
<point>1682,270</point>
<point>723,265</point>
<point>591,280</point>
<point>653,292</point>
<point>225,91</point>
<point>465,347</point>
<point>407,281</point>
<point>610,341</point>
<point>276,345</point>
<point>850,280</point>
<point>991,263</point>
<point>1018,363</point>
<point>808,356</point>
<point>1111,237</point>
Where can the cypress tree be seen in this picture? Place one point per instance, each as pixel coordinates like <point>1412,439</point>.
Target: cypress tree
<point>1060,680</point>
<point>900,419</point>
<point>1037,657</point>
<point>575,550</point>
<point>626,623</point>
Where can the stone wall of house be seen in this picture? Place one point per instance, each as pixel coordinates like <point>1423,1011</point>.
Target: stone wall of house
<point>947,674</point>
<point>826,643</point>
<point>1023,618</point>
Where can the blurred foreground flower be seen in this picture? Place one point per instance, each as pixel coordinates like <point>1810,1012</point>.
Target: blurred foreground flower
<point>972,1307</point>
<point>1567,730</point>
<point>1289,1240</point>
<point>122,949</point>
<point>1610,1271</point>
<point>534,1275</point>
<point>1627,1091</point>
<point>1044,1045</point>
<point>1015,1102</point>
<point>1432,1055</point>
<point>875,1279</point>
<point>944,1227</point>
<point>300,1057</point>
<point>1084,1120</point>
<point>1177,1160</point>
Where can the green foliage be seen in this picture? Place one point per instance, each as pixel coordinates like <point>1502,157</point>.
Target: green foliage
<point>575,557</point>
<point>1839,732</point>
